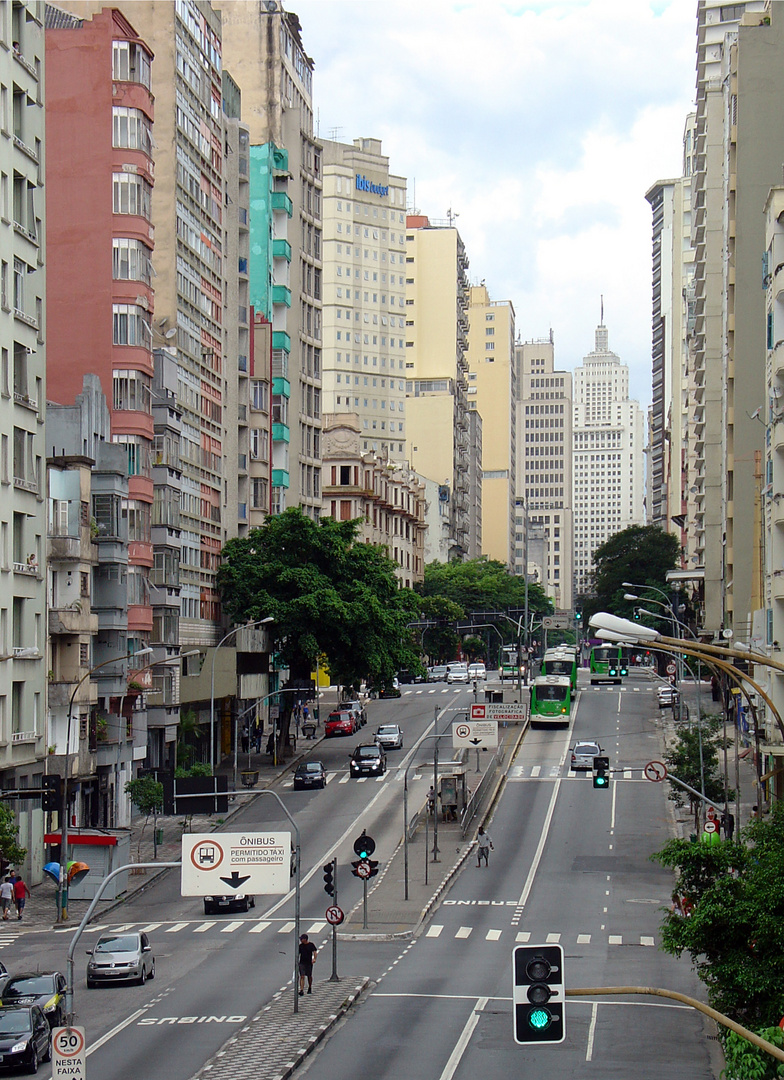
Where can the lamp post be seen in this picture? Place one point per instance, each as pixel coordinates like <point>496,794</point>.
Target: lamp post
<point>62,907</point>
<point>223,640</point>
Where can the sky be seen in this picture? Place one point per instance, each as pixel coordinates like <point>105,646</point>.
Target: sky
<point>541,125</point>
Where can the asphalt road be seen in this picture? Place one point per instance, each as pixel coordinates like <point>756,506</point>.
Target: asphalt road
<point>570,865</point>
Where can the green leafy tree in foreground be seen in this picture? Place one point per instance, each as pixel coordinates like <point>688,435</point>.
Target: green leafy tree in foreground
<point>440,642</point>
<point>642,554</point>
<point>147,796</point>
<point>481,585</point>
<point>11,854</point>
<point>735,933</point>
<point>683,761</point>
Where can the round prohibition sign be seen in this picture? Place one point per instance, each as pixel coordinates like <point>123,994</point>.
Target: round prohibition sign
<point>710,826</point>
<point>363,870</point>
<point>655,771</point>
<point>68,1042</point>
<point>462,731</point>
<point>334,916</point>
<point>671,668</point>
<point>206,855</point>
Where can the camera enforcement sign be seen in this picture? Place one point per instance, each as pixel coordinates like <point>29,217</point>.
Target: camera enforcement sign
<point>225,863</point>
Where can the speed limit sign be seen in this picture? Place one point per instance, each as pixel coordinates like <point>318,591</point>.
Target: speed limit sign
<point>68,1052</point>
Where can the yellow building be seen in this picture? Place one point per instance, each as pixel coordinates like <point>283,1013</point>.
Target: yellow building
<point>491,391</point>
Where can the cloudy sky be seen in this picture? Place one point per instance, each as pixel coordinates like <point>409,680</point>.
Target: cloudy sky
<point>541,124</point>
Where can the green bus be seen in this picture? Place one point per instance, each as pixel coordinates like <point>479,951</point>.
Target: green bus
<point>561,662</point>
<point>551,701</point>
<point>607,664</point>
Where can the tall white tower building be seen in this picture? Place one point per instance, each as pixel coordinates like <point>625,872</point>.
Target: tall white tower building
<point>608,455</point>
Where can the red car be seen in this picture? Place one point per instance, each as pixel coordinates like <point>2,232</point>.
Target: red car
<point>343,722</point>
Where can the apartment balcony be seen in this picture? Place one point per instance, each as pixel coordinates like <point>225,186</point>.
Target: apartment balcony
<point>281,201</point>
<point>281,433</point>
<point>777,585</point>
<point>280,478</point>
<point>281,294</point>
<point>778,359</point>
<point>777,513</point>
<point>777,438</point>
<point>281,249</point>
<point>281,340</point>
<point>72,620</point>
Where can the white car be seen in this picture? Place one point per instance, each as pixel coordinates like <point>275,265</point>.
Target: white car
<point>667,695</point>
<point>390,737</point>
<point>457,672</point>
<point>584,753</point>
<point>477,671</point>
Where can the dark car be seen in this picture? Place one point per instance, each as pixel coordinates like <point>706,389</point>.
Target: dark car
<point>239,902</point>
<point>46,989</point>
<point>368,759</point>
<point>310,774</point>
<point>25,1037</point>
<point>125,957</point>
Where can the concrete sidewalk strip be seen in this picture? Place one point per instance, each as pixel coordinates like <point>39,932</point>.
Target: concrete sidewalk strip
<point>275,1042</point>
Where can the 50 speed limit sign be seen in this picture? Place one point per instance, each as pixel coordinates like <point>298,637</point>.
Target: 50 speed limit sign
<point>68,1053</point>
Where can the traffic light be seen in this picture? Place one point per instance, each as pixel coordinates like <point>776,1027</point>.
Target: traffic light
<point>51,793</point>
<point>364,846</point>
<point>601,768</point>
<point>538,994</point>
<point>329,878</point>
<point>578,616</point>
<point>373,864</point>
<point>637,614</point>
<point>624,667</point>
<point>355,868</point>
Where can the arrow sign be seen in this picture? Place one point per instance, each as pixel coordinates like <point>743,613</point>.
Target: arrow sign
<point>235,880</point>
<point>655,771</point>
<point>475,734</point>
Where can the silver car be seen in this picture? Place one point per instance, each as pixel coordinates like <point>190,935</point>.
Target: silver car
<point>390,736</point>
<point>584,753</point>
<point>120,957</point>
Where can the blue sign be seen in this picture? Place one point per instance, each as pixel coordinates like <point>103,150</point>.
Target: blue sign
<point>363,184</point>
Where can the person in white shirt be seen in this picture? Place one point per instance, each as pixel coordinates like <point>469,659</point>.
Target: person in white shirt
<point>6,897</point>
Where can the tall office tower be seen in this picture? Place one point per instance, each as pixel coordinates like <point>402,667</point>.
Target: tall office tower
<point>437,370</point>
<point>544,547</point>
<point>263,49</point>
<point>22,400</point>
<point>609,440</point>
<point>492,391</point>
<point>671,427</point>
<point>712,468</point>
<point>364,235</point>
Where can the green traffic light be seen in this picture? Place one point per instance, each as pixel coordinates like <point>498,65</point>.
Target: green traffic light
<point>540,1019</point>
<point>601,781</point>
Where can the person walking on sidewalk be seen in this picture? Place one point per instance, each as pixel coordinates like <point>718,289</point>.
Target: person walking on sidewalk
<point>6,896</point>
<point>21,892</point>
<point>307,958</point>
<point>485,846</point>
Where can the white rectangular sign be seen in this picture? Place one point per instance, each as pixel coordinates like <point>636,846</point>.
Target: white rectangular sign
<point>511,713</point>
<point>69,1056</point>
<point>474,734</point>
<point>226,864</point>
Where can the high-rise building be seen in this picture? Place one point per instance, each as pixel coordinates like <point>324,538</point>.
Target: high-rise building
<point>436,336</point>
<point>543,513</point>
<point>609,440</point>
<point>262,47</point>
<point>22,403</point>
<point>364,234</point>
<point>492,391</point>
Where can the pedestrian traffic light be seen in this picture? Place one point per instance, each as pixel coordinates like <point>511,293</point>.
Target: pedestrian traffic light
<point>50,794</point>
<point>538,994</point>
<point>329,878</point>
<point>601,768</point>
<point>364,845</point>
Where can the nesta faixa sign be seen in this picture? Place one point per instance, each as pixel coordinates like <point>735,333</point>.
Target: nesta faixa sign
<point>363,184</point>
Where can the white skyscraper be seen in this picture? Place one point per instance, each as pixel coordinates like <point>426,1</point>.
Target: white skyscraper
<point>608,455</point>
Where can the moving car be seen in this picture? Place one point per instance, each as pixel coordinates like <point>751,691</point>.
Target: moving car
<point>341,722</point>
<point>237,902</point>
<point>125,957</point>
<point>25,1037</point>
<point>584,753</point>
<point>390,736</point>
<point>457,672</point>
<point>368,759</point>
<point>310,774</point>
<point>667,695</point>
<point>437,673</point>
<point>477,671</point>
<point>46,989</point>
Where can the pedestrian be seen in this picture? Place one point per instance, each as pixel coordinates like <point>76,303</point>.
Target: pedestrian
<point>728,824</point>
<point>431,800</point>
<point>307,958</point>
<point>485,846</point>
<point>21,892</point>
<point>305,714</point>
<point>6,896</point>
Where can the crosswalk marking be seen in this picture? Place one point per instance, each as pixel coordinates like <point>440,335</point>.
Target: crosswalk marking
<point>523,936</point>
<point>493,935</point>
<point>286,928</point>
<point>553,939</point>
<point>615,939</point>
<point>258,927</point>
<point>229,928</point>
<point>464,932</point>
<point>583,939</point>
<point>627,774</point>
<point>343,779</point>
<point>536,770</point>
<point>316,928</point>
<point>176,928</point>
<point>646,941</point>
<point>434,931</point>
<point>205,926</point>
<point>125,926</point>
<point>148,929</point>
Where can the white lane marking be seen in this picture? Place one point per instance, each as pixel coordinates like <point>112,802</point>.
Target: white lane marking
<point>464,932</point>
<point>434,931</point>
<point>259,927</point>
<point>148,929</point>
<point>229,928</point>
<point>553,939</point>
<point>615,939</point>
<point>286,928</point>
<point>343,779</point>
<point>540,847</point>
<point>125,926</point>
<point>316,928</point>
<point>646,940</point>
<point>523,936</point>
<point>177,927</point>
<point>583,939</point>
<point>330,777</point>
<point>612,808</point>
<point>555,770</point>
<point>204,927</point>
<point>492,935</point>
<point>465,1036</point>
<point>591,1032</point>
<point>627,774</point>
<point>361,779</point>
<point>536,770</point>
<point>115,1031</point>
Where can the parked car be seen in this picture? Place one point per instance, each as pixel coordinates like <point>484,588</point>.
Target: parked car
<point>25,1037</point>
<point>583,755</point>
<point>124,957</point>
<point>236,902</point>
<point>667,695</point>
<point>409,677</point>
<point>310,774</point>
<point>357,708</point>
<point>368,759</point>
<point>457,672</point>
<point>46,989</point>
<point>477,671</point>
<point>390,736</point>
<point>437,673</point>
<point>341,722</point>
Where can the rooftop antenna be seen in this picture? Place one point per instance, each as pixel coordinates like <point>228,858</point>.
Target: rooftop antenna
<point>601,316</point>
<point>450,216</point>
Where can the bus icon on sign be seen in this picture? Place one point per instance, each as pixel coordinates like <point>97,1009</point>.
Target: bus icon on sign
<point>207,855</point>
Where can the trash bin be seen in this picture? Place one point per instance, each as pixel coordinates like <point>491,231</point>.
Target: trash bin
<point>159,836</point>
<point>250,777</point>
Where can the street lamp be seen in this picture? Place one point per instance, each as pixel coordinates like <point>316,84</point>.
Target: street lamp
<point>62,908</point>
<point>223,640</point>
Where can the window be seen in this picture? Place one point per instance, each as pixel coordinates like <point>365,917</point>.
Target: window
<point>130,260</point>
<point>131,129</point>
<point>130,63</point>
<point>131,195</point>
<point>20,271</point>
<point>132,391</point>
<point>128,325</point>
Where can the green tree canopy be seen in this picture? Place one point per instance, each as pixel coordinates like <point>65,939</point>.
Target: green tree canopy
<point>642,554</point>
<point>11,854</point>
<point>440,642</point>
<point>328,592</point>
<point>685,761</point>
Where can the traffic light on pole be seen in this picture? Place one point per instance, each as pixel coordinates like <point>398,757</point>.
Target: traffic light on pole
<point>538,994</point>
<point>329,878</point>
<point>373,864</point>
<point>50,795</point>
<point>601,769</point>
<point>364,846</point>
<point>355,867</point>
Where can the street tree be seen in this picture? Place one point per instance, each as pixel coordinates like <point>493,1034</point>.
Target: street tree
<point>482,585</point>
<point>11,854</point>
<point>696,768</point>
<point>147,796</point>
<point>642,554</point>
<point>440,642</point>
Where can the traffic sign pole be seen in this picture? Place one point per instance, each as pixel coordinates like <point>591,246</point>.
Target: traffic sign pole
<point>334,976</point>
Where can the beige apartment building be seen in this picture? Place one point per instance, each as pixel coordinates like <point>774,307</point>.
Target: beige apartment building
<point>543,513</point>
<point>492,392</point>
<point>436,337</point>
<point>364,242</point>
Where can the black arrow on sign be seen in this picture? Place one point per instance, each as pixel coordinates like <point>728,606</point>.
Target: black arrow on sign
<point>475,742</point>
<point>235,880</point>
